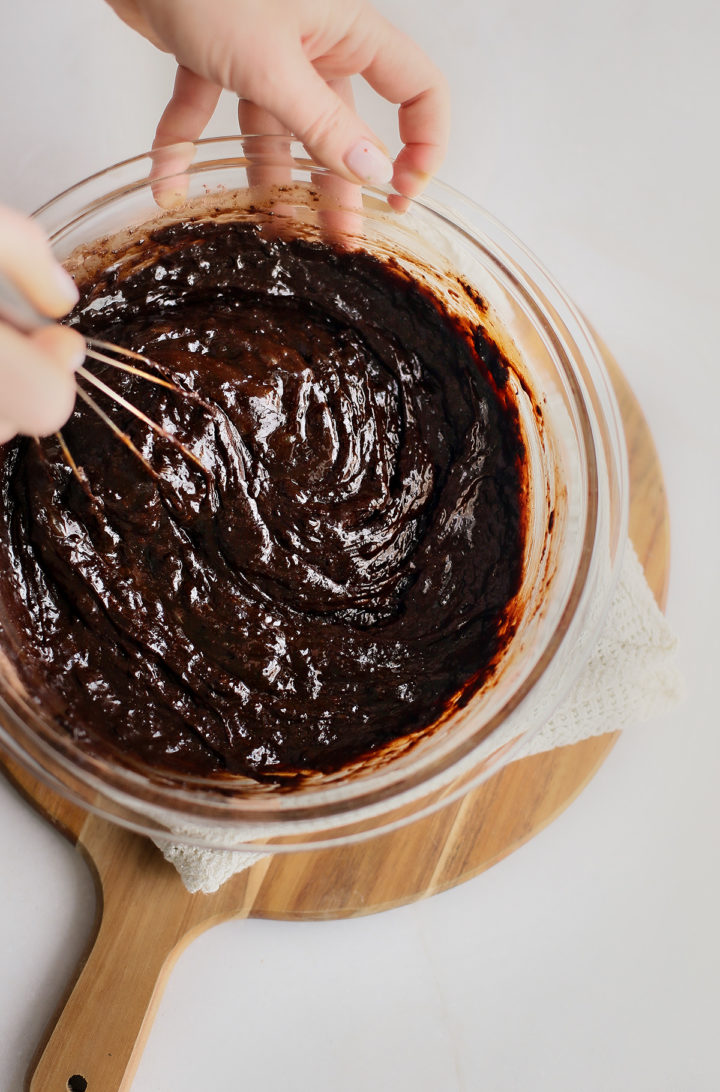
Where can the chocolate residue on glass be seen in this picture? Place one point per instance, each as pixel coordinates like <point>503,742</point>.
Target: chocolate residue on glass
<point>340,568</point>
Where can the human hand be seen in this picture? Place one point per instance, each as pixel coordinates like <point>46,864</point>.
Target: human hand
<point>293,59</point>
<point>36,369</point>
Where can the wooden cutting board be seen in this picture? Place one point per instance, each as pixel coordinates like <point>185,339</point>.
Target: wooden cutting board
<point>146,917</point>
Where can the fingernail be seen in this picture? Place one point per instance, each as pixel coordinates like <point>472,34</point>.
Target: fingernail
<point>369,164</point>
<point>66,285</point>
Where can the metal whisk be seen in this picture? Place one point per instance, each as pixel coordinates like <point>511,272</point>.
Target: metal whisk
<point>17,310</point>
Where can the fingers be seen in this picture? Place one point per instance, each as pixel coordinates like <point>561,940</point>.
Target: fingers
<point>271,159</point>
<point>256,119</point>
<point>36,378</point>
<point>26,258</point>
<point>340,208</point>
<point>293,92</point>
<point>168,178</point>
<point>284,71</point>
<point>271,165</point>
<point>402,73</point>
<point>191,106</point>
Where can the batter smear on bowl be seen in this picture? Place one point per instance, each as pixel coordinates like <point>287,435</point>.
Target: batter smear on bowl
<point>336,570</point>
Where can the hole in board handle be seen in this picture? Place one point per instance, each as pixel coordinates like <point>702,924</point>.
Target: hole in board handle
<point>77,1083</point>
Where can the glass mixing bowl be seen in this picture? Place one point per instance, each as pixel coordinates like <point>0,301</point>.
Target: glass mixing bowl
<point>577,482</point>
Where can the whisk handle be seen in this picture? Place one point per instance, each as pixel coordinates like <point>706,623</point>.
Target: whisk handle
<point>17,310</point>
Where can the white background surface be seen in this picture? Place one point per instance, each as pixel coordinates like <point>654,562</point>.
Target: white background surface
<point>588,961</point>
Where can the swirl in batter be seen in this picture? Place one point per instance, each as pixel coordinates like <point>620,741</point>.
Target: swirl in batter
<point>324,557</point>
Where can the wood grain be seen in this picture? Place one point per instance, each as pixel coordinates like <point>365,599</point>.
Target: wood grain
<point>146,917</point>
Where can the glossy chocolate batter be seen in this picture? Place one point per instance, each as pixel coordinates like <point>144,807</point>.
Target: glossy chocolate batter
<point>336,568</point>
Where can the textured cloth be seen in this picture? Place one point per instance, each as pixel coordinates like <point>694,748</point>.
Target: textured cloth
<point>631,675</point>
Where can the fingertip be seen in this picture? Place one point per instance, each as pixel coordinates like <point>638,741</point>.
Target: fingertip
<point>410,183</point>
<point>66,347</point>
<point>27,259</point>
<point>414,168</point>
<point>74,349</point>
<point>67,288</point>
<point>398,203</point>
<point>66,293</point>
<point>169,180</point>
<point>168,197</point>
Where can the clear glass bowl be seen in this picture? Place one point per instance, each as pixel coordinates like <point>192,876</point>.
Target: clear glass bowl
<point>578,495</point>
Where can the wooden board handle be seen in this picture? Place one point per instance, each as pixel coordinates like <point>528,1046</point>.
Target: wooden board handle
<point>147,920</point>
<point>97,1042</point>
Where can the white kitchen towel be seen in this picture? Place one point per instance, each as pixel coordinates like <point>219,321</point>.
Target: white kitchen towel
<point>631,675</point>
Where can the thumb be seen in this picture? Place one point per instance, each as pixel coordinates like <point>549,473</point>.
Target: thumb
<point>331,131</point>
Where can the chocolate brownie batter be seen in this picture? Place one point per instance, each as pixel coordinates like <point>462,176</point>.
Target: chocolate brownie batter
<point>323,555</point>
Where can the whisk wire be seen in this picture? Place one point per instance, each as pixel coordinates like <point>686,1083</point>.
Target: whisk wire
<point>104,359</point>
<point>115,429</point>
<point>116,397</point>
<point>67,456</point>
<point>94,344</point>
<point>110,347</point>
